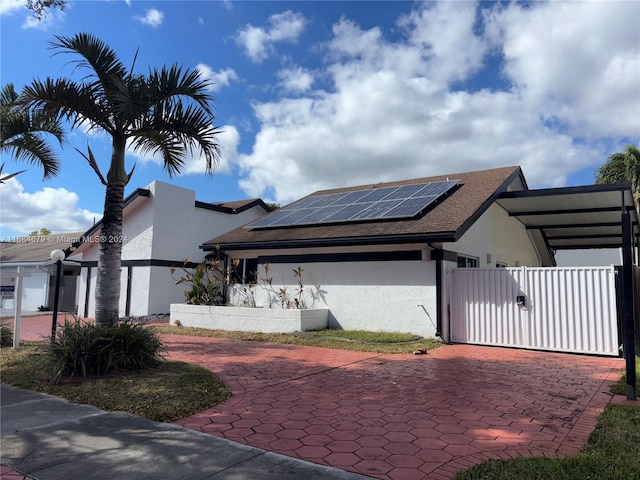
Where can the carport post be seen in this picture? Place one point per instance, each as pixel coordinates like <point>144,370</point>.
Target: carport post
<point>629,308</point>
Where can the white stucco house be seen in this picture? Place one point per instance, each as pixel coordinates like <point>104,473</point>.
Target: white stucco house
<point>38,284</point>
<point>163,225</point>
<point>593,256</point>
<point>380,253</point>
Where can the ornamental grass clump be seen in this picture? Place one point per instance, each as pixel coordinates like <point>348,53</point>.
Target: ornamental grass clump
<point>83,349</point>
<point>6,335</point>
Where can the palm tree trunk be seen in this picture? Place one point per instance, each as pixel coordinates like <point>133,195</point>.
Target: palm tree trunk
<point>110,256</point>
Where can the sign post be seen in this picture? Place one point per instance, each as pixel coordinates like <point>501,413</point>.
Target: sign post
<point>18,304</point>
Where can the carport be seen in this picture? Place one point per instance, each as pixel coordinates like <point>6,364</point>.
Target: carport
<point>588,217</point>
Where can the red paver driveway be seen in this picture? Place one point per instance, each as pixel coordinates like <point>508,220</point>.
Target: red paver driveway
<point>400,416</point>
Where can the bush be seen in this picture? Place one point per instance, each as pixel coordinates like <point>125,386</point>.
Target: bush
<point>82,349</point>
<point>6,335</point>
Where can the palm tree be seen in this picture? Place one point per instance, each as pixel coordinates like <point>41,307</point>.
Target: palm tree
<point>166,112</point>
<point>24,134</point>
<point>622,167</point>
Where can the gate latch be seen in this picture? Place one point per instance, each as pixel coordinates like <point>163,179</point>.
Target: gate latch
<point>520,300</point>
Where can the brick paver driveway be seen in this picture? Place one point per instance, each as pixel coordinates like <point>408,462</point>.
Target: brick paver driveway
<point>400,416</point>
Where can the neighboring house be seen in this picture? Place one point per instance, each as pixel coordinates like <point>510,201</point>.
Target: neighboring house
<point>38,285</point>
<point>163,225</point>
<point>378,255</point>
<point>592,257</point>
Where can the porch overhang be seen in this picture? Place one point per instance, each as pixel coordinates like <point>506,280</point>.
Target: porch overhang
<point>595,216</point>
<point>576,217</point>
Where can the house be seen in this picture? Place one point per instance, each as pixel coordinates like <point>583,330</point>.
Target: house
<point>382,257</point>
<point>594,256</point>
<point>32,253</point>
<point>379,253</point>
<point>163,225</point>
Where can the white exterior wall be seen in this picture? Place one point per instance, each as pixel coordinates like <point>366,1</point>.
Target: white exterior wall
<point>35,287</point>
<point>499,235</point>
<point>593,257</point>
<point>167,227</point>
<point>391,296</point>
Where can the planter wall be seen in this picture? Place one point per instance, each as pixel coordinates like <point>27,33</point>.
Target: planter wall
<point>244,319</point>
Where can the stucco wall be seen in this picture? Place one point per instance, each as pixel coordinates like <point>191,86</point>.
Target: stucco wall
<point>165,227</point>
<point>34,287</point>
<point>593,257</point>
<point>504,238</point>
<point>393,296</point>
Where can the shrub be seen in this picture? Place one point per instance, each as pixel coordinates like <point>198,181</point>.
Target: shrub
<point>206,283</point>
<point>6,335</point>
<point>82,349</point>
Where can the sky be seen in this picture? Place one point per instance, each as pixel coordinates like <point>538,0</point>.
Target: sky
<point>316,95</point>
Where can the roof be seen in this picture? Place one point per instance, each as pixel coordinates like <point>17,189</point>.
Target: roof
<point>35,249</point>
<point>234,207</point>
<point>446,221</point>
<point>138,195</point>
<point>575,217</point>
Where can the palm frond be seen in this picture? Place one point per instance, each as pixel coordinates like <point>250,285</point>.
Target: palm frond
<point>96,55</point>
<point>34,149</point>
<point>188,128</point>
<point>8,176</point>
<point>23,132</point>
<point>67,100</point>
<point>167,83</point>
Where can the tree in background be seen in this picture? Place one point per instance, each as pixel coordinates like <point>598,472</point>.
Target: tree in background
<point>40,233</point>
<point>622,167</point>
<point>24,134</point>
<point>167,112</point>
<point>41,7</point>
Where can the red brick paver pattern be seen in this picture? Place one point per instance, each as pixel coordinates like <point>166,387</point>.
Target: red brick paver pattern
<point>7,473</point>
<point>401,416</point>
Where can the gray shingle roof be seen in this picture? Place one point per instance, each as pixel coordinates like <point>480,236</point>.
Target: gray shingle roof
<point>35,249</point>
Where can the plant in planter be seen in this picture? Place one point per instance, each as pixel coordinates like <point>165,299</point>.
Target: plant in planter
<point>210,280</point>
<point>207,283</point>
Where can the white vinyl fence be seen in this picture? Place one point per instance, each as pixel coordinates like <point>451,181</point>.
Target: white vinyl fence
<point>564,309</point>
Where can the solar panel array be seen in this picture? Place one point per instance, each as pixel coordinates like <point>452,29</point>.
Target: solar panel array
<point>405,201</point>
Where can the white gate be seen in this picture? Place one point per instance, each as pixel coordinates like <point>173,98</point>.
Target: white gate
<point>564,309</point>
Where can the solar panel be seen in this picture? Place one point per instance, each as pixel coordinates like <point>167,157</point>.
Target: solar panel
<point>405,201</point>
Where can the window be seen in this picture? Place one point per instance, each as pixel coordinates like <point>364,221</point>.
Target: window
<point>245,271</point>
<point>501,265</point>
<point>467,262</point>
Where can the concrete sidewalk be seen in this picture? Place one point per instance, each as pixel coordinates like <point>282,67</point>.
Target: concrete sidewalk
<point>51,439</point>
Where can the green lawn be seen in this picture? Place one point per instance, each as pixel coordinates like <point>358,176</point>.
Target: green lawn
<point>172,391</point>
<point>375,342</point>
<point>612,453</point>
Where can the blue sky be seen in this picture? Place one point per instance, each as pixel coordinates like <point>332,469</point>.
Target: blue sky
<point>315,95</point>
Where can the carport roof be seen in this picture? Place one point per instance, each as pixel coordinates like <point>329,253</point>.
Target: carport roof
<point>575,217</point>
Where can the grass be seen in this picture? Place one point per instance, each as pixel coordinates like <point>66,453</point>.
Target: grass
<point>169,392</point>
<point>620,388</point>
<point>377,342</point>
<point>612,453</point>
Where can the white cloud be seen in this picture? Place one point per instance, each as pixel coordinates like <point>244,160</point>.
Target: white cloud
<point>578,62</point>
<point>295,80</point>
<point>195,162</point>
<point>10,6</point>
<point>153,18</point>
<point>283,27</point>
<point>219,79</point>
<point>399,109</point>
<point>228,141</point>
<point>53,208</point>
